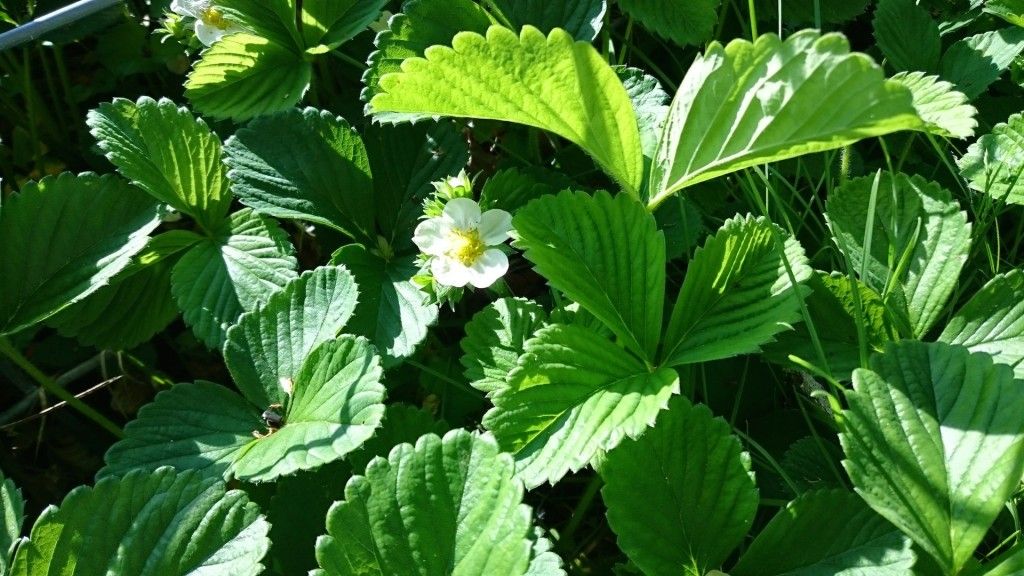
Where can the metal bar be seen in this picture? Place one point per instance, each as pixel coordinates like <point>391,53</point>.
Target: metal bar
<point>52,21</point>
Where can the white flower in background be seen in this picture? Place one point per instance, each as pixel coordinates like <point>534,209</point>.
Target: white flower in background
<point>210,22</point>
<point>461,242</point>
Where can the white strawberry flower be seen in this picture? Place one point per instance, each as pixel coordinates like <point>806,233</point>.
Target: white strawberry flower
<point>210,22</point>
<point>462,244</point>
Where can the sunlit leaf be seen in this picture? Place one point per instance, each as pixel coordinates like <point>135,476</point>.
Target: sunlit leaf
<point>572,395</point>
<point>934,443</point>
<point>149,524</point>
<point>750,103</point>
<point>221,277</point>
<point>167,152</point>
<point>445,506</point>
<point>736,295</point>
<point>605,253</point>
<point>243,75</point>
<point>510,77</point>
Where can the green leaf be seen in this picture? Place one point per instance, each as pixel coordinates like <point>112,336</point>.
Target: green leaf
<point>944,110</point>
<point>1010,10</point>
<point>63,238</point>
<point>833,308</point>
<point>509,77</point>
<point>510,189</point>
<point>698,496</point>
<point>684,23</point>
<point>572,395</point>
<point>332,23</point>
<point>935,444</point>
<point>445,506</point>
<point>242,76</point>
<point>992,321</point>
<point>422,24</point>
<point>125,313</point>
<point>272,171</point>
<point>197,426</point>
<point>977,61</point>
<point>167,152</point>
<point>402,423</point>
<point>495,338</point>
<point>405,160</point>
<point>270,19</point>
<point>907,36</point>
<point>810,94</point>
<point>650,104</point>
<point>994,164</point>
<point>392,311</point>
<point>919,242</point>
<point>737,294</point>
<point>217,280</point>
<point>337,403</point>
<point>147,524</point>
<point>12,516</point>
<point>848,538</point>
<point>581,18</point>
<point>604,253</point>
<point>265,349</point>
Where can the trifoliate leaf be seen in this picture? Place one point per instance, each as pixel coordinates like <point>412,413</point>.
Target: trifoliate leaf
<point>509,77</point>
<point>243,75</point>
<point>445,506</point>
<point>737,294</point>
<point>307,165</point>
<point>63,238</point>
<point>392,311</point>
<point>684,23</point>
<point>495,338</point>
<point>995,163</point>
<point>944,110</point>
<point>149,524</point>
<point>992,321</point>
<point>336,404</point>
<point>265,349</point>
<point>698,494</point>
<point>572,395</point>
<point>849,539</point>
<point>919,242</point>
<point>167,152</point>
<point>605,253</point>
<point>935,444</point>
<point>581,18</point>
<point>810,94</point>
<point>221,277</point>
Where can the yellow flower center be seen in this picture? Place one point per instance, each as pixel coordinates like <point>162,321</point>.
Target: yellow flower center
<point>466,246</point>
<point>213,17</point>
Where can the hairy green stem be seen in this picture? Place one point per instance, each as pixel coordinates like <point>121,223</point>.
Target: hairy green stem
<point>51,386</point>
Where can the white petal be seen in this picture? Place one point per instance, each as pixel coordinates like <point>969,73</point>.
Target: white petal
<point>208,34</point>
<point>494,226</point>
<point>188,7</point>
<point>449,272</point>
<point>431,236</point>
<point>488,268</point>
<point>463,213</point>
